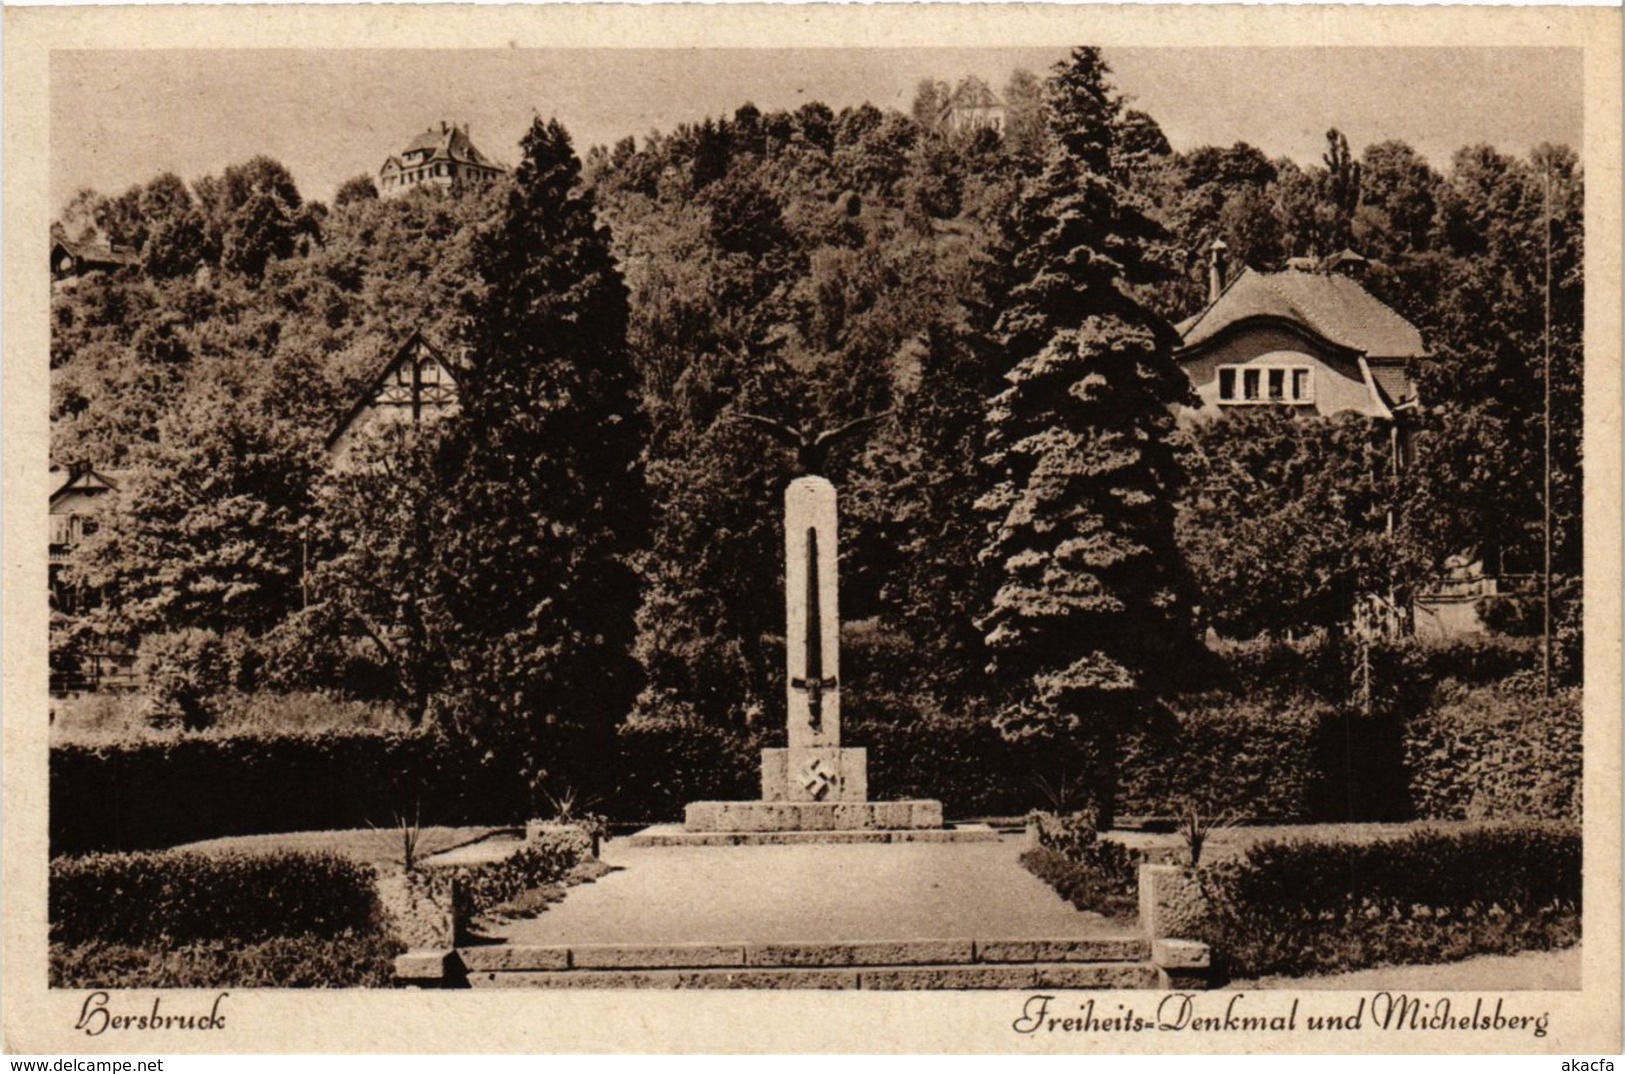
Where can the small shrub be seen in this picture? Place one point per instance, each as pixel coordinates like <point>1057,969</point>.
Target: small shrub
<point>185,673</point>
<point>179,897</point>
<point>1103,873</point>
<point>1084,886</point>
<point>1309,906</point>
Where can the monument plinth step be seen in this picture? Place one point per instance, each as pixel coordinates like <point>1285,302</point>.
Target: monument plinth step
<point>811,816</point>
<point>1080,975</point>
<point>676,835</point>
<point>1104,961</point>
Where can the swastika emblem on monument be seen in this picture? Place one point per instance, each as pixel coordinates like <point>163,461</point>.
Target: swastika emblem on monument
<point>818,780</point>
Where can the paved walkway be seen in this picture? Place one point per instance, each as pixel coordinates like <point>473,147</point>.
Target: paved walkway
<point>810,893</point>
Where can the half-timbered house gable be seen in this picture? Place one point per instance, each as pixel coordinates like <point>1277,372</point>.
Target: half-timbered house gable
<point>416,386</point>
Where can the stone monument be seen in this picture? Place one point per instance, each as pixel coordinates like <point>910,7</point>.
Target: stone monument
<point>814,789</point>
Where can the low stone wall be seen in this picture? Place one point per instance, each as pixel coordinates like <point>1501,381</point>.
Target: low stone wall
<point>434,903</point>
<point>1171,901</point>
<point>1172,909</point>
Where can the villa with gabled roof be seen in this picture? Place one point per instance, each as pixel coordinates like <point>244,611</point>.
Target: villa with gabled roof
<point>1309,337</point>
<point>436,158</point>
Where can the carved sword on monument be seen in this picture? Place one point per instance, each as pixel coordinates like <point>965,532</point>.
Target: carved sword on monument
<point>815,683</point>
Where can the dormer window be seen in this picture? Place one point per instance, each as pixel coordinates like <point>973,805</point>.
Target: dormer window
<point>1240,385</point>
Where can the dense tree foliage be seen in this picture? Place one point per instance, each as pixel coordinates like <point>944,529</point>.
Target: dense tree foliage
<point>544,505</point>
<point>811,266</point>
<point>1091,608</point>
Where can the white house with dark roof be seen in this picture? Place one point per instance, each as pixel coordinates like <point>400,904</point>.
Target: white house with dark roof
<point>1311,338</point>
<point>436,158</point>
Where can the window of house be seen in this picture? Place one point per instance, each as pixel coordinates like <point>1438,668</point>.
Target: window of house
<point>1266,384</point>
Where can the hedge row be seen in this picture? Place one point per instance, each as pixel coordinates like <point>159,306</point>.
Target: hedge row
<point>178,897</point>
<point>1312,906</point>
<point>145,794</point>
<point>1484,752</point>
<point>349,960</point>
<point>547,859</point>
<point>1499,753</point>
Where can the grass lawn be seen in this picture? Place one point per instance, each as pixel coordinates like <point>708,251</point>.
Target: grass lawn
<point>378,847</point>
<point>1232,842</point>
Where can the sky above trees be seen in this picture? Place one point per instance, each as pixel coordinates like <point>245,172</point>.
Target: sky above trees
<point>120,118</point>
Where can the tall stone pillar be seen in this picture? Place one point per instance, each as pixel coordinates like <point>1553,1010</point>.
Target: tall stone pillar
<point>815,768</point>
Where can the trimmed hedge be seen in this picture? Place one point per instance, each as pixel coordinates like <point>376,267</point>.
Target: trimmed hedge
<point>1311,906</point>
<point>348,960</point>
<point>1091,873</point>
<point>1502,752</point>
<point>180,897</point>
<point>546,860</point>
<point>1270,746</point>
<point>1084,886</point>
<point>1229,755</point>
<point>145,794</point>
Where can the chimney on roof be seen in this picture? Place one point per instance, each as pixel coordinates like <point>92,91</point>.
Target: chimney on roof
<point>1215,270</point>
<point>442,126</point>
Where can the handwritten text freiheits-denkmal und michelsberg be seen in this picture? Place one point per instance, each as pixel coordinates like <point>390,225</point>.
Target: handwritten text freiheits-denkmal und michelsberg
<point>1192,1013</point>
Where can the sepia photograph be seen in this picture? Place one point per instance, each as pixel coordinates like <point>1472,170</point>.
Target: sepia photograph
<point>1101,527</point>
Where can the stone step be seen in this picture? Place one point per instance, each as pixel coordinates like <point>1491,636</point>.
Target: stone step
<point>675,835</point>
<point>512,958</point>
<point>1013,977</point>
<point>825,816</point>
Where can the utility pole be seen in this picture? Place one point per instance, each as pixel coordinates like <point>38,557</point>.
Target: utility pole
<point>1546,499</point>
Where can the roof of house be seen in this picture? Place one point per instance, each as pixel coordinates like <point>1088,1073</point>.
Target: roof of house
<point>450,142</point>
<point>1393,380</point>
<point>84,479</point>
<point>96,253</point>
<point>1329,304</point>
<point>972,92</point>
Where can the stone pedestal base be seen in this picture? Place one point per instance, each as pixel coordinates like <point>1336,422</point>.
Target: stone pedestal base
<point>811,816</point>
<point>815,774</point>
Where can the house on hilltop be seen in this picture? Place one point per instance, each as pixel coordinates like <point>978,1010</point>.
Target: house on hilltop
<point>438,158</point>
<point>415,386</point>
<point>1309,337</point>
<point>69,259</point>
<point>973,106</point>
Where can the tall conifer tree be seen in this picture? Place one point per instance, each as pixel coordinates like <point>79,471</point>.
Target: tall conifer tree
<point>1090,610</point>
<point>547,499</point>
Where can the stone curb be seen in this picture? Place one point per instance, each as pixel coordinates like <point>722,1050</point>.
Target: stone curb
<point>1105,975</point>
<point>677,836</point>
<point>503,958</point>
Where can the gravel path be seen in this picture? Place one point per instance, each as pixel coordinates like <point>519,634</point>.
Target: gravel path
<point>810,892</point>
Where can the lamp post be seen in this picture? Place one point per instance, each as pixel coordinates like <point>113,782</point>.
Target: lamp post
<point>1546,498</point>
